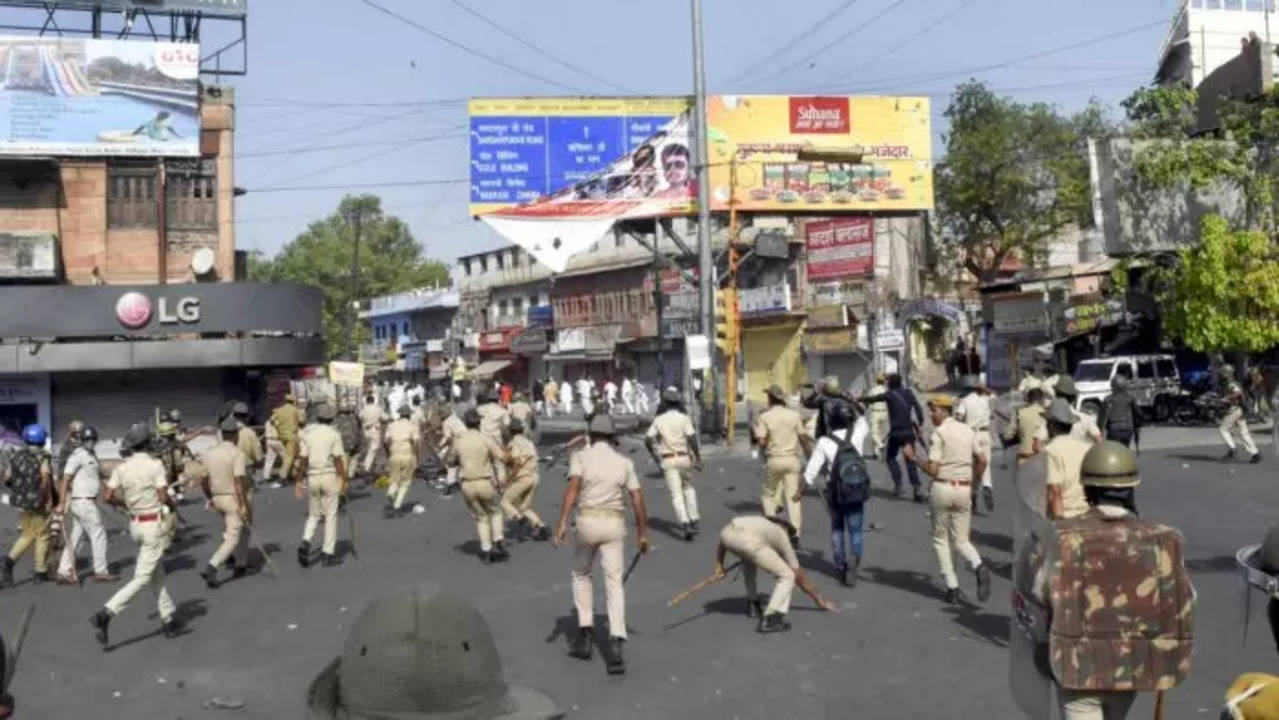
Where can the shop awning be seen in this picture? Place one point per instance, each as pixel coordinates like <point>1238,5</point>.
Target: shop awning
<point>489,368</point>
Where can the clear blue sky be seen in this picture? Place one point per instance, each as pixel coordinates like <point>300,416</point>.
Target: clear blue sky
<point>343,51</point>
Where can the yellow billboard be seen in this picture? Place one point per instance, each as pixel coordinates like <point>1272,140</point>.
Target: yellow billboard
<point>758,139</point>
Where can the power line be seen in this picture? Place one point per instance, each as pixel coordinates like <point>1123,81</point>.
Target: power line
<point>470,50</point>
<point>898,45</point>
<point>348,163</point>
<point>809,57</point>
<point>540,51</point>
<point>790,44</point>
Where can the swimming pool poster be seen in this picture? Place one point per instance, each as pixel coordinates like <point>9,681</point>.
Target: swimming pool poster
<point>72,96</point>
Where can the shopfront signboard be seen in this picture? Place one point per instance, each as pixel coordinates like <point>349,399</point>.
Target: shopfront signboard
<point>840,248</point>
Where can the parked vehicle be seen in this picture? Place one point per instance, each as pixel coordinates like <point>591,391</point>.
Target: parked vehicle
<point>1154,382</point>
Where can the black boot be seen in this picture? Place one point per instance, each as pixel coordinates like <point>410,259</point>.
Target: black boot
<point>687,532</point>
<point>695,526</point>
<point>6,570</point>
<point>542,534</point>
<point>330,560</point>
<point>773,623</point>
<point>304,554</point>
<point>616,663</point>
<point>983,583</point>
<point>171,628</point>
<point>955,596</point>
<point>1230,455</point>
<point>1256,458</point>
<point>238,570</point>
<point>988,497</point>
<point>919,496</point>
<point>210,575</point>
<point>40,577</point>
<point>754,609</point>
<point>581,645</point>
<point>100,621</point>
<point>487,557</point>
<point>500,553</point>
<point>850,572</point>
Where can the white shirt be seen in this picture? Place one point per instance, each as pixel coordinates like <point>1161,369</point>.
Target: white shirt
<point>566,391</point>
<point>86,478</point>
<point>610,390</point>
<point>974,411</point>
<point>457,391</point>
<point>628,389</point>
<point>824,452</point>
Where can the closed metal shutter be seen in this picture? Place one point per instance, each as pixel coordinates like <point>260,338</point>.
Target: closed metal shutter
<point>112,401</point>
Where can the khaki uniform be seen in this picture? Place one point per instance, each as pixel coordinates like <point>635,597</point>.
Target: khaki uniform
<point>226,466</point>
<point>494,421</point>
<point>83,513</point>
<point>761,543</point>
<point>477,456</point>
<point>517,501</point>
<point>33,527</point>
<point>878,412</point>
<point>1065,456</point>
<point>1085,427</point>
<point>371,421</point>
<point>1049,386</point>
<point>1030,425</point>
<point>1234,420</point>
<point>778,430</point>
<point>138,481</point>
<point>274,449</point>
<point>452,428</point>
<point>1029,382</point>
<point>248,443</point>
<point>401,437</point>
<point>974,411</point>
<point>671,430</point>
<point>550,398</point>
<point>606,478</point>
<point>321,446</point>
<point>952,445</point>
<point>287,421</point>
<point>523,412</point>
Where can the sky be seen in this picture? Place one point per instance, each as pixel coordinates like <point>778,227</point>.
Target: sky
<point>386,101</point>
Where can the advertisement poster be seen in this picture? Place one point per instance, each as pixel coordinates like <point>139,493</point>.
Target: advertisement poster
<point>840,248</point>
<point>347,373</point>
<point>66,96</point>
<point>765,133</point>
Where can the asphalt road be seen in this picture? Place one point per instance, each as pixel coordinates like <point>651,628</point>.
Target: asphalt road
<point>895,650</point>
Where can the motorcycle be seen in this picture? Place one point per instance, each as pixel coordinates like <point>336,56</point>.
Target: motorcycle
<point>1189,408</point>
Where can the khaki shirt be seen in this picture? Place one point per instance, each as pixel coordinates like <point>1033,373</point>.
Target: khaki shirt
<point>606,476</point>
<point>417,416</point>
<point>1049,386</point>
<point>224,462</point>
<point>769,534</point>
<point>452,428</point>
<point>287,420</point>
<point>953,446</point>
<point>401,436</point>
<point>321,445</point>
<point>880,407</point>
<point>523,458</point>
<point>521,411</point>
<point>249,444</point>
<point>138,481</point>
<point>1065,458</point>
<point>672,430</point>
<point>371,417</point>
<point>493,420</point>
<point>1085,427</point>
<point>1028,382</point>
<point>1031,425</point>
<point>974,411</point>
<point>551,392</point>
<point>476,453</point>
<point>778,430</point>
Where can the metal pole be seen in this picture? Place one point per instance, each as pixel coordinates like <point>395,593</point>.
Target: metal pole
<point>357,220</point>
<point>657,300</point>
<point>705,264</point>
<point>162,219</point>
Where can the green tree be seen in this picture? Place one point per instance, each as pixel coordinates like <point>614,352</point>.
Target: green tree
<point>1014,176</point>
<point>1223,296</point>
<point>391,261</point>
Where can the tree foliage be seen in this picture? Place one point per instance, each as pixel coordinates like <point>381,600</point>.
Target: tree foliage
<point>391,261</point>
<point>1014,176</point>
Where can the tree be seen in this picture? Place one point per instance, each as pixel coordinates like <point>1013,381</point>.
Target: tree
<point>1224,294</point>
<point>391,261</point>
<point>1014,176</point>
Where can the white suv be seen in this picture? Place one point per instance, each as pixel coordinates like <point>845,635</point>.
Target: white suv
<point>1153,381</point>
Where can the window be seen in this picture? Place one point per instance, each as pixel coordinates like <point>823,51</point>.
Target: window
<point>1145,369</point>
<point>131,195</point>
<point>406,329</point>
<point>484,264</point>
<point>1093,371</point>
<point>497,258</point>
<point>532,300</point>
<point>1167,369</point>
<point>1233,5</point>
<point>191,193</point>
<point>466,267</point>
<point>1124,369</point>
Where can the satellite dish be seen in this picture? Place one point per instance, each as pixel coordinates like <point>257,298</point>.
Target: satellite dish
<point>202,261</point>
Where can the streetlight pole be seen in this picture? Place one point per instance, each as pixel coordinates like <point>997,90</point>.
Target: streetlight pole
<point>705,264</point>
<point>356,219</point>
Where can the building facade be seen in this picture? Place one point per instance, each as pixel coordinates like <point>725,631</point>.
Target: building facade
<point>411,331</point>
<point>1205,35</point>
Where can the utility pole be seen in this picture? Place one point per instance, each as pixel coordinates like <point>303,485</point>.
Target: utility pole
<point>356,219</point>
<point>705,264</point>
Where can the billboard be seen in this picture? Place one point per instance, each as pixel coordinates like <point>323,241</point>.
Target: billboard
<point>840,248</point>
<point>28,255</point>
<point>764,133</point>
<point>223,8</point>
<point>67,96</point>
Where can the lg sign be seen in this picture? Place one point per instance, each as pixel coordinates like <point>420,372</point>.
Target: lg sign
<point>819,115</point>
<point>134,310</point>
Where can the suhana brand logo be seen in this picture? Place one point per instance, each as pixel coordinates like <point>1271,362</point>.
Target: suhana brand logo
<point>133,310</point>
<point>819,115</point>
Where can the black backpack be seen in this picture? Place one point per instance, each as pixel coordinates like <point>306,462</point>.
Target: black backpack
<point>849,481</point>
<point>24,480</point>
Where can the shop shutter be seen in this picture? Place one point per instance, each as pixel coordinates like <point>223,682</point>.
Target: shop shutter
<point>112,401</point>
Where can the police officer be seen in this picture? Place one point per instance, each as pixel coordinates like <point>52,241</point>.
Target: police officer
<point>173,453</point>
<point>348,426</point>
<point>1085,427</point>
<point>321,462</point>
<point>31,491</point>
<point>287,421</point>
<point>1120,416</point>
<point>1065,455</point>
<point>1233,396</point>
<point>494,423</point>
<point>599,479</point>
<point>766,543</point>
<point>953,461</point>
<point>81,486</point>
<point>402,440</point>
<point>68,447</point>
<point>517,501</point>
<point>672,442</point>
<point>246,439</point>
<point>778,431</point>
<point>225,486</point>
<point>371,422</point>
<point>878,412</point>
<point>973,410</point>
<point>522,411</point>
<point>1031,430</point>
<point>478,456</point>
<point>450,430</point>
<point>141,485</point>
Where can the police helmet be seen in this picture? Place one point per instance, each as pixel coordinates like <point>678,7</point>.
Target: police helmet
<point>1227,370</point>
<point>88,433</point>
<point>240,408</point>
<point>471,418</point>
<point>517,425</point>
<point>324,411</point>
<point>174,416</point>
<point>1066,387</point>
<point>830,384</point>
<point>1119,382</point>
<point>34,434</point>
<point>670,395</point>
<point>1111,465</point>
<point>165,429</point>
<point>137,437</point>
<point>229,425</point>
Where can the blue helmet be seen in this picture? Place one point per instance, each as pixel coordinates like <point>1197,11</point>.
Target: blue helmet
<point>34,434</point>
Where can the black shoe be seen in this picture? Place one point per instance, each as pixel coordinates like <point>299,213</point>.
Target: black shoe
<point>171,628</point>
<point>39,578</point>
<point>238,570</point>
<point>754,609</point>
<point>695,526</point>
<point>210,575</point>
<point>850,572</point>
<point>304,554</point>
<point>773,623</point>
<point>581,645</point>
<point>1230,455</point>
<point>1256,458</point>
<point>487,557</point>
<point>983,583</point>
<point>388,511</point>
<point>500,553</point>
<point>616,664</point>
<point>6,570</point>
<point>100,621</point>
<point>919,496</point>
<point>450,489</point>
<point>988,497</point>
<point>897,491</point>
<point>687,531</point>
<point>330,560</point>
<point>955,596</point>
<point>542,534</point>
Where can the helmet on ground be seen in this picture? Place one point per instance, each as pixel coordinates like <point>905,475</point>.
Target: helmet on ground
<point>88,433</point>
<point>34,434</point>
<point>137,437</point>
<point>1109,464</point>
<point>1119,382</point>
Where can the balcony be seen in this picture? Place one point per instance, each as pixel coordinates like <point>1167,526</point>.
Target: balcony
<point>619,306</point>
<point>510,320</point>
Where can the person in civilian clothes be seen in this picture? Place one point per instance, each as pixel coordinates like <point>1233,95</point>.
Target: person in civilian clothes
<point>845,520</point>
<point>904,416</point>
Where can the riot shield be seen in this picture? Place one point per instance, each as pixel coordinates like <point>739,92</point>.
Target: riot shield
<point>1029,673</point>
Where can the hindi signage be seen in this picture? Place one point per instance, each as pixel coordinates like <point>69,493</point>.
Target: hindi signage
<point>840,248</point>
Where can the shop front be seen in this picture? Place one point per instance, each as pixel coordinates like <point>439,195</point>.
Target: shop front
<point>586,352</point>
<point>498,363</point>
<point>772,342</point>
<point>835,344</point>
<point>1019,325</point>
<point>531,345</point>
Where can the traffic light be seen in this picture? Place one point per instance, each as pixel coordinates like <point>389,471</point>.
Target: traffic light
<point>727,329</point>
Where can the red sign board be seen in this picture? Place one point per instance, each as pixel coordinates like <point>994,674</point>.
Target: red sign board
<point>819,115</point>
<point>840,248</point>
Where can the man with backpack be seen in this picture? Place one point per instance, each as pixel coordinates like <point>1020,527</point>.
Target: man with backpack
<point>31,491</point>
<point>847,489</point>
<point>1120,416</point>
